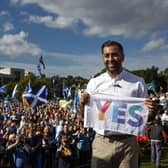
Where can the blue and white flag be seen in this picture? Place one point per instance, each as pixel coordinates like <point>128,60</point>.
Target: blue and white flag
<point>127,115</point>
<point>64,90</point>
<point>75,104</point>
<point>69,94</point>
<point>151,86</point>
<point>39,69</point>
<point>28,88</point>
<point>15,90</point>
<point>37,96</point>
<point>3,89</point>
<point>6,103</point>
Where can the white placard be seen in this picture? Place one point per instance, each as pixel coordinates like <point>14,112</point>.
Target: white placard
<point>126,115</point>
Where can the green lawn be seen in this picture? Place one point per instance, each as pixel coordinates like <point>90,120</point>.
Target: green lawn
<point>145,159</point>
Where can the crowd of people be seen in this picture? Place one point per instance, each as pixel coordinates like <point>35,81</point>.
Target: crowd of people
<point>48,136</point>
<point>51,136</point>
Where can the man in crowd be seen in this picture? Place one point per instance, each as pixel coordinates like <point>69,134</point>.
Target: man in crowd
<point>111,149</point>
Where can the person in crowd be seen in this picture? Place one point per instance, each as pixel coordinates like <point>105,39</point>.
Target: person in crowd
<point>65,132</point>
<point>110,149</point>
<point>156,134</point>
<point>164,119</point>
<point>17,152</point>
<point>49,146</point>
<point>36,155</point>
<point>58,128</point>
<point>2,152</point>
<point>10,146</point>
<point>64,153</point>
<point>83,146</point>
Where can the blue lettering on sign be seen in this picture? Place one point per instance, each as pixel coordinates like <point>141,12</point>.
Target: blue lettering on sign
<point>117,112</point>
<point>132,112</point>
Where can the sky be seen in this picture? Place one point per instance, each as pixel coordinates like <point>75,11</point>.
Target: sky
<point>69,34</point>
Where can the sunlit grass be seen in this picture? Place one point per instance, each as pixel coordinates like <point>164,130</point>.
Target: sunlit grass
<point>145,158</point>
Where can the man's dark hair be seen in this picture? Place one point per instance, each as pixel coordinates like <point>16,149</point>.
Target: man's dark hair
<point>112,43</point>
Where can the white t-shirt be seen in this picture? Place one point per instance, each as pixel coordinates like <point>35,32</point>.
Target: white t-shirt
<point>164,118</point>
<point>125,84</point>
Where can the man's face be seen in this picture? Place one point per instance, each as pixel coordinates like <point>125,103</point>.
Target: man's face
<point>113,58</point>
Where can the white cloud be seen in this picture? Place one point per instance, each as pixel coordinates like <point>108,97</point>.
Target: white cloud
<point>50,21</point>
<point>16,45</point>
<point>8,27</point>
<point>3,13</point>
<point>157,44</point>
<point>123,17</point>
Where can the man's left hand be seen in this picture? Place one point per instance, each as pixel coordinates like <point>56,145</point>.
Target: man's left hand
<point>152,106</point>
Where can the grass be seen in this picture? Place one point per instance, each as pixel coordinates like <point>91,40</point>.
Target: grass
<point>145,158</point>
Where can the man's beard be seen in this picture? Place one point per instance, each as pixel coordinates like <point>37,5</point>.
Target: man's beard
<point>116,68</point>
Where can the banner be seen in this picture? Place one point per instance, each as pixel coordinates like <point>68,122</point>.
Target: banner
<point>126,115</point>
<point>3,89</point>
<point>36,97</point>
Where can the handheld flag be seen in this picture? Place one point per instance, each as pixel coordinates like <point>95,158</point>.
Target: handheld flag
<point>39,69</point>
<point>151,86</point>
<point>75,104</point>
<point>15,90</point>
<point>37,97</point>
<point>69,94</point>
<point>28,88</point>
<point>65,103</point>
<point>6,103</point>
<point>64,90</point>
<point>41,60</point>
<point>3,89</point>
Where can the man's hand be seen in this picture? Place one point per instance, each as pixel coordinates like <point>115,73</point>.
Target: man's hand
<point>83,100</point>
<point>152,106</point>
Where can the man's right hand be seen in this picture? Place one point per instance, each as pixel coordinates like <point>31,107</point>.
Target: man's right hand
<point>83,100</point>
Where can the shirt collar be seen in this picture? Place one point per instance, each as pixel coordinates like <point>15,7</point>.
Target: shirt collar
<point>120,76</point>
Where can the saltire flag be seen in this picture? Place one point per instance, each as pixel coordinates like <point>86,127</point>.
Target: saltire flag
<point>15,90</point>
<point>3,89</point>
<point>75,104</point>
<point>69,94</point>
<point>37,97</point>
<point>64,90</point>
<point>26,103</point>
<point>28,88</point>
<point>41,61</point>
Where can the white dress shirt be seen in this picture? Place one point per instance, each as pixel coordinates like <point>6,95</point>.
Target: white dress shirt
<point>125,84</point>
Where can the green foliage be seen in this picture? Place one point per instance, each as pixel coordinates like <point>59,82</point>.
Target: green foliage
<point>150,74</point>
